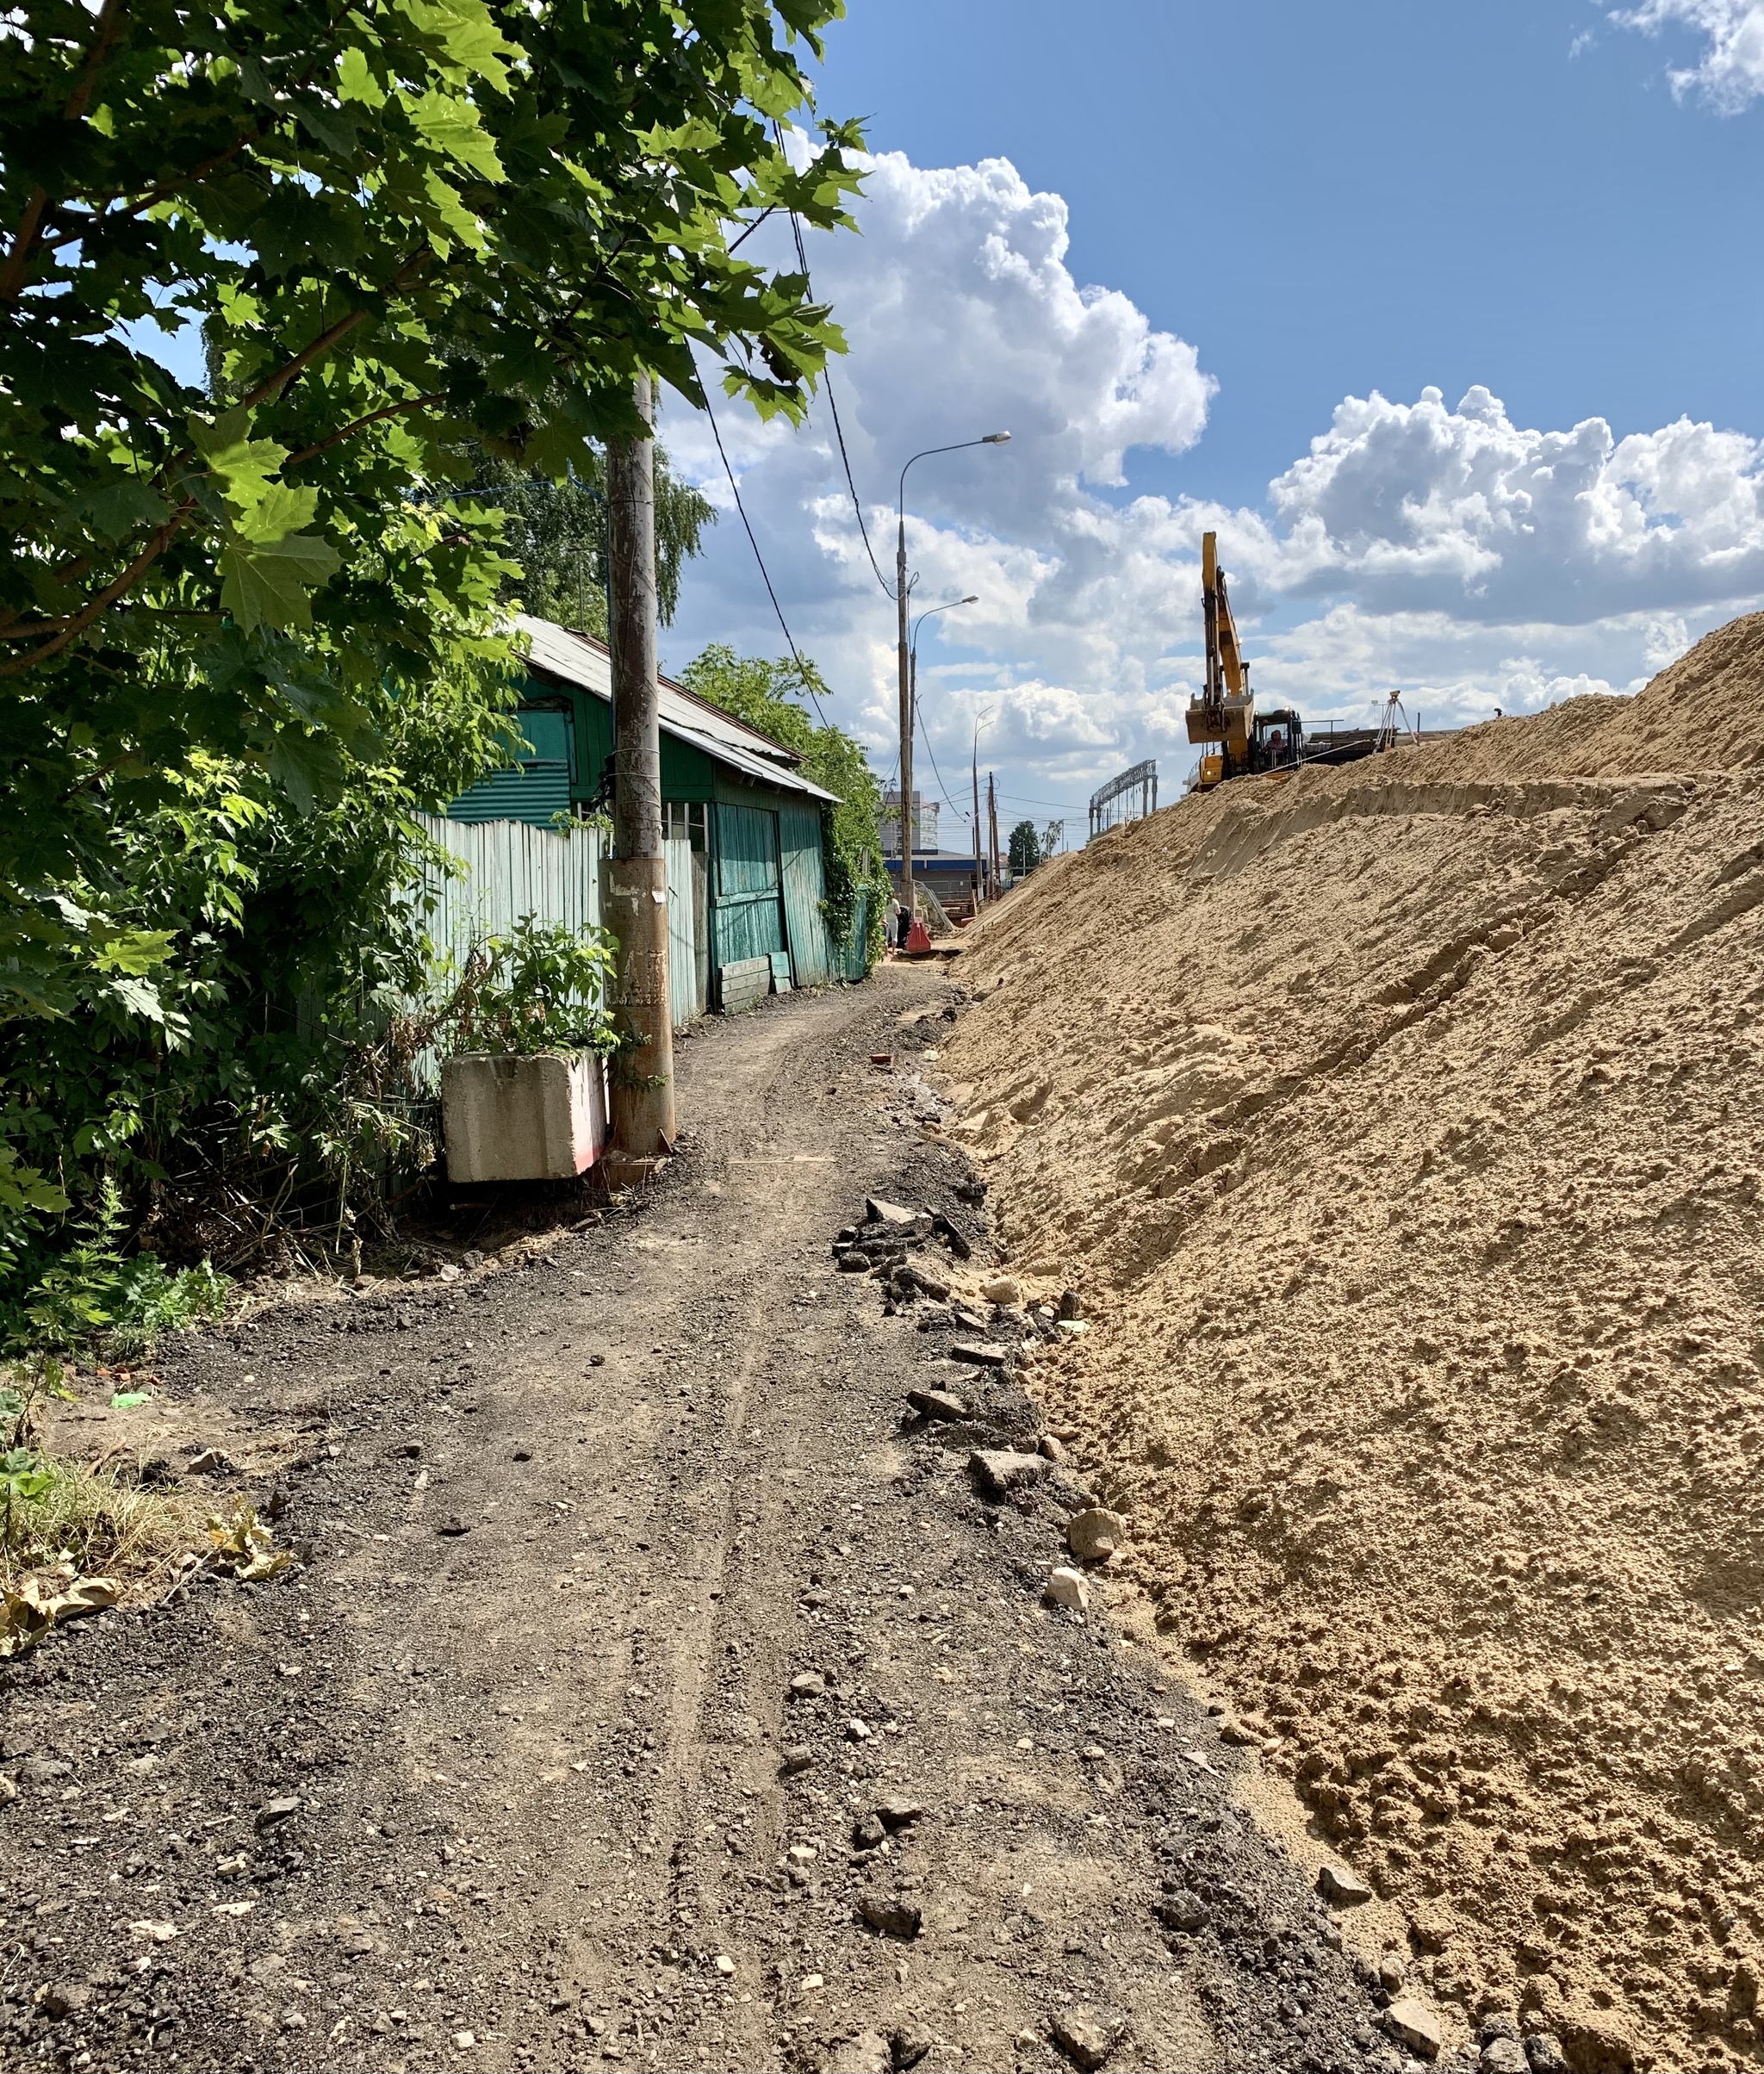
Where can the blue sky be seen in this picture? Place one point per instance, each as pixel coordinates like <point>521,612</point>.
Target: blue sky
<point>1504,222</point>
<point>1327,200</point>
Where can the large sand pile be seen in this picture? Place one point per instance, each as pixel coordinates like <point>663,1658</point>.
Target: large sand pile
<point>1404,1127</point>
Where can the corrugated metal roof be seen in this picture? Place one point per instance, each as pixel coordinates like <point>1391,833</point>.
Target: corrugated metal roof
<point>580,661</point>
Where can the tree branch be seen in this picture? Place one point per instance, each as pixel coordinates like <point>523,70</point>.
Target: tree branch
<point>24,238</point>
<point>391,410</point>
<point>70,630</point>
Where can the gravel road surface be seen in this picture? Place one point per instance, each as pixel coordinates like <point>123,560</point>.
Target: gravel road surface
<point>658,1691</point>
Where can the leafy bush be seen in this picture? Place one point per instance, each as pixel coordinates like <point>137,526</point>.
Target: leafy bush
<point>92,1287</point>
<point>257,1075</point>
<point>540,990</point>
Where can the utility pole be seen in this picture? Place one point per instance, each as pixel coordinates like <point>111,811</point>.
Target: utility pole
<point>906,713</point>
<point>643,1127</point>
<point>992,824</point>
<point>901,590</point>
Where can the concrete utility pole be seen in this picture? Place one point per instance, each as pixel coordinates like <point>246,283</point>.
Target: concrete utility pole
<point>643,1071</point>
<point>992,824</point>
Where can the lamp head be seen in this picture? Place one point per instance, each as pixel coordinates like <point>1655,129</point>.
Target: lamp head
<point>995,439</point>
<point>973,599</point>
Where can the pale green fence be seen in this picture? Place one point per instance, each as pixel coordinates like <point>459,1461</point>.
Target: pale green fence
<point>512,869</point>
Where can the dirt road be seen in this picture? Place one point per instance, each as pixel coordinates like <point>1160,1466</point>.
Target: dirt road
<point>511,1772</point>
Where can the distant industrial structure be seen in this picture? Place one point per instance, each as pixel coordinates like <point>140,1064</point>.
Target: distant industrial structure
<point>1129,796</point>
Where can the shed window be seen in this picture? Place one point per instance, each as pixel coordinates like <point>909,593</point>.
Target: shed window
<point>684,821</point>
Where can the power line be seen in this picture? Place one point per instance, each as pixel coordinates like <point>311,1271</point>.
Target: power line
<point>935,773</point>
<point>1072,806</point>
<point>802,668</point>
<point>838,429</point>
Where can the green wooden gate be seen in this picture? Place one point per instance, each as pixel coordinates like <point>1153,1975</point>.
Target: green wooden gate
<point>804,888</point>
<point>747,909</point>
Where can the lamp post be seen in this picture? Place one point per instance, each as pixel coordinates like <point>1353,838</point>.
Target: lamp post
<point>901,589</point>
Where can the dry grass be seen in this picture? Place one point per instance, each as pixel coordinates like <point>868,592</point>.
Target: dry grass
<point>98,1520</point>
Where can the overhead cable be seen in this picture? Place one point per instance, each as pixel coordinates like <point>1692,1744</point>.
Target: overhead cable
<point>935,773</point>
<point>735,488</point>
<point>802,255</point>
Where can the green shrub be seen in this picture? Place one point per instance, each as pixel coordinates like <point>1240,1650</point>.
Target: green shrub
<point>541,989</point>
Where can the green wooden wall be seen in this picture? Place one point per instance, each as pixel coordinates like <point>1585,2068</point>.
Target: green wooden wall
<point>746,894</point>
<point>811,949</point>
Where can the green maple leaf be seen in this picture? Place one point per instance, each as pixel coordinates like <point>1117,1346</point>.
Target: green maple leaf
<point>267,582</point>
<point>451,124</point>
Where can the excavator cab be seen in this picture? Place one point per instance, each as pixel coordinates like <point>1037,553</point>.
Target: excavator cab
<point>1278,740</point>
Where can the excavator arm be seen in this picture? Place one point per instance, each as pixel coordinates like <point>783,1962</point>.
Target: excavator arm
<point>1225,657</point>
<point>1222,716</point>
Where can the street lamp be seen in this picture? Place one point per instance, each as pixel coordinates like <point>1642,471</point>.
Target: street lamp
<point>901,588</point>
<point>913,645</point>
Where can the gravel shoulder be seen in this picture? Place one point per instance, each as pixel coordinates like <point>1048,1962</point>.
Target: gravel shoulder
<point>497,1777</point>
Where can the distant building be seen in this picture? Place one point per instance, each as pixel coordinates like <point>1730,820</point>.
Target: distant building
<point>924,823</point>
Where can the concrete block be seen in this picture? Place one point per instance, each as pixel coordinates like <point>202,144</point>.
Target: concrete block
<point>511,1119</point>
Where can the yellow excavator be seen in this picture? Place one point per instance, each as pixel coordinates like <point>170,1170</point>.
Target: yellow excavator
<point>1224,716</point>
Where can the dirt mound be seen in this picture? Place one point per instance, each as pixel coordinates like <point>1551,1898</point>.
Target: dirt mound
<point>1704,713</point>
<point>1401,1126</point>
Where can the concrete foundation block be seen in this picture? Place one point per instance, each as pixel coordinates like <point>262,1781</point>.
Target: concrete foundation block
<point>511,1119</point>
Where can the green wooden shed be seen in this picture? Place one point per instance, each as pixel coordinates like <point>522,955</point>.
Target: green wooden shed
<point>731,796</point>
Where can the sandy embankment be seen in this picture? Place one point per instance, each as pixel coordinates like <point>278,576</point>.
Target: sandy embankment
<point>1404,1127</point>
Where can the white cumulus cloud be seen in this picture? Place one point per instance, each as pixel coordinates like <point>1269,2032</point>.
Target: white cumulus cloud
<point>1730,73</point>
<point>1417,506</point>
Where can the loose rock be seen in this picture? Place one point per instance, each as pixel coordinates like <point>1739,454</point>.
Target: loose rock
<point>1543,2055</point>
<point>952,1236</point>
<point>1001,1470</point>
<point>807,1685</point>
<point>937,1404</point>
<point>897,1814</point>
<point>1095,1534</point>
<point>1345,1888</point>
<point>910,2043</point>
<point>869,2052</point>
<point>1183,1910</point>
<point>797,1757</point>
<point>1067,1587</point>
<point>274,1813</point>
<point>1504,2056</point>
<point>980,1357</point>
<point>1002,1289</point>
<point>1411,2023</point>
<point>1082,2036</point>
<point>894,1215</point>
<point>63,1998</point>
<point>891,1914</point>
